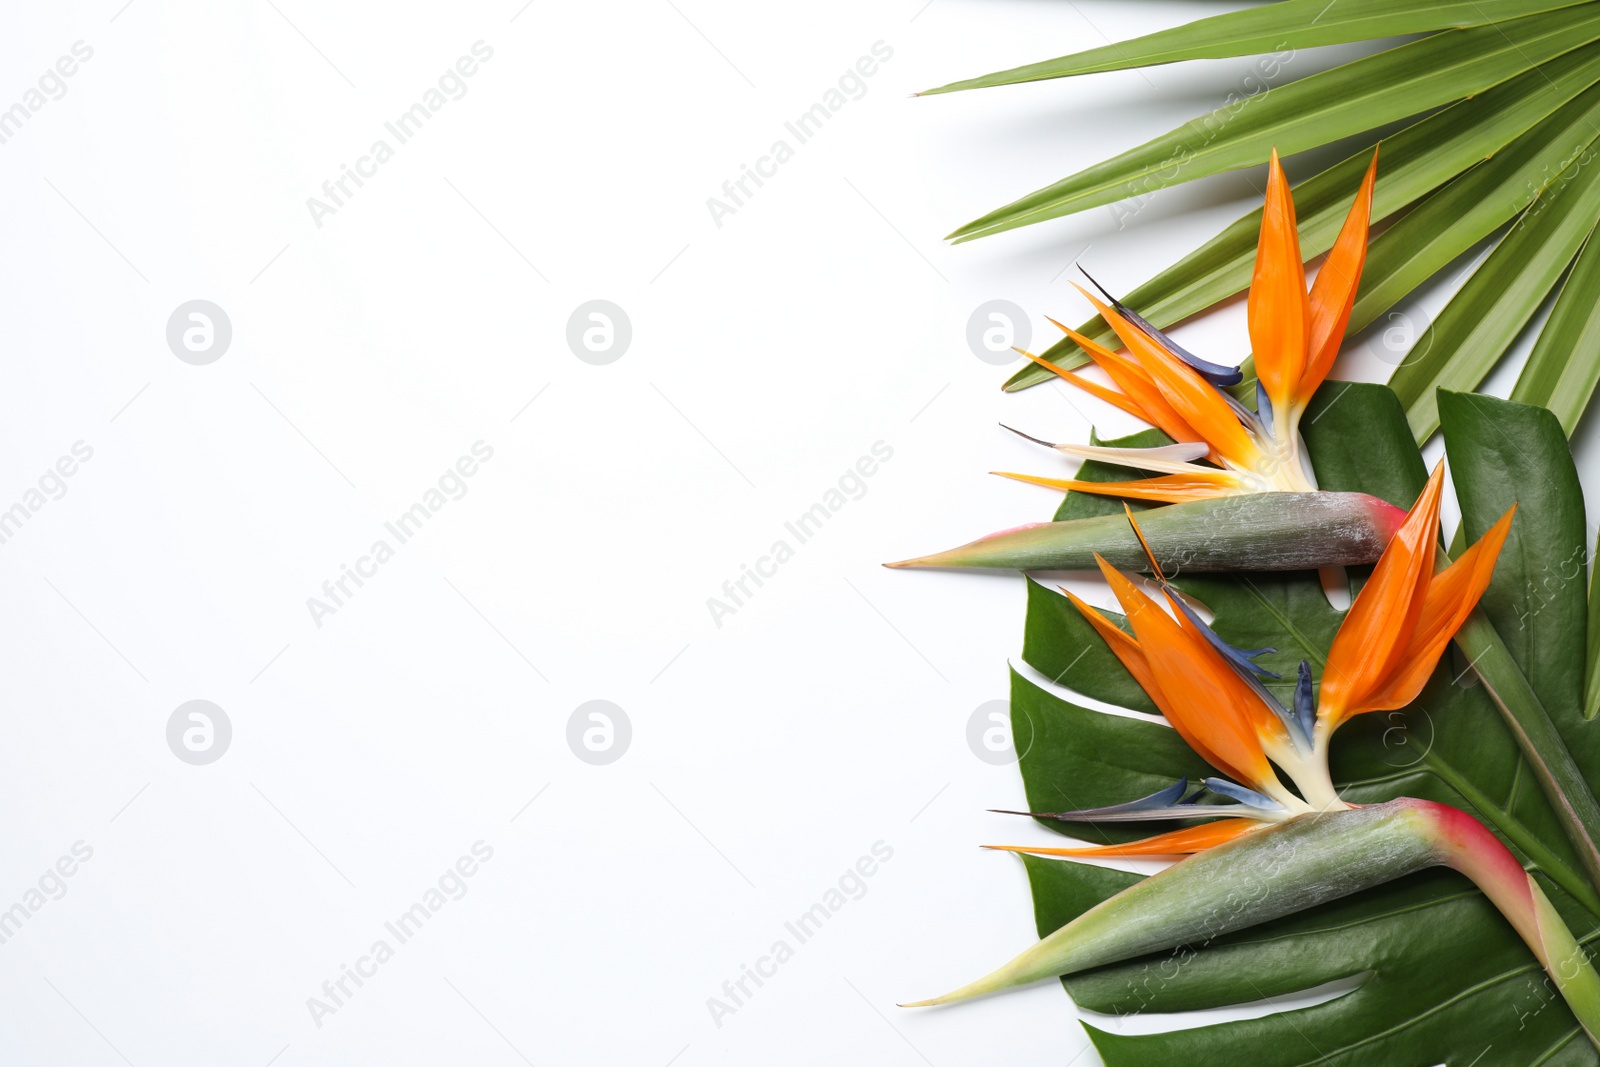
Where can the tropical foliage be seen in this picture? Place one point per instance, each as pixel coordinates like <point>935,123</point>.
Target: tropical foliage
<point>1440,976</point>
<point>1304,852</point>
<point>1500,101</point>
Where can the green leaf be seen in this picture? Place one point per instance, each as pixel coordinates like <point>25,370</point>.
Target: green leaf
<point>1413,162</point>
<point>1450,221</point>
<point>1064,891</point>
<point>1080,756</point>
<point>1072,757</point>
<point>1564,368</point>
<point>1504,454</point>
<point>1314,110</point>
<point>1355,438</point>
<point>1356,433</point>
<point>1591,682</point>
<point>1059,644</point>
<point>1429,926</point>
<point>1484,318</point>
<point>1290,25</point>
<point>1442,977</point>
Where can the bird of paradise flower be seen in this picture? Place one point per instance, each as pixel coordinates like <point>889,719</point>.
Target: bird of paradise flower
<point>1295,336</point>
<point>1266,848</point>
<point>1270,849</point>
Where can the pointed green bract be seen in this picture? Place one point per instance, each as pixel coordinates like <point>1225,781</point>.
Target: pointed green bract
<point>1293,867</point>
<point>1262,876</point>
<point>1260,531</point>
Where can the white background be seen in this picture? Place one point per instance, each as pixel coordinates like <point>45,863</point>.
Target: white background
<point>769,353</point>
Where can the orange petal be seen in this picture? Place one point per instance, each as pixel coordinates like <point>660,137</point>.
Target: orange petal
<point>1094,388</point>
<point>1278,307</point>
<point>1132,656</point>
<point>1333,294</point>
<point>1133,380</point>
<point>1189,672</point>
<point>1191,396</point>
<point>1177,843</point>
<point>1168,488</point>
<point>1124,646</point>
<point>1217,678</point>
<point>1452,594</point>
<point>1373,638</point>
<point>1224,686</point>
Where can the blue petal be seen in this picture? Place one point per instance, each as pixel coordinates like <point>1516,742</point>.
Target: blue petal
<point>1168,803</point>
<point>1242,662</point>
<point>1248,797</point>
<point>1263,406</point>
<point>1304,708</point>
<point>1215,373</point>
<point>1241,659</point>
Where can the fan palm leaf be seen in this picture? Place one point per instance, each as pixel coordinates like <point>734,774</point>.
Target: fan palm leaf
<point>1503,104</point>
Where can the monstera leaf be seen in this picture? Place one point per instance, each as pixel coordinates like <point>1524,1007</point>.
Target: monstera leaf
<point>1438,975</point>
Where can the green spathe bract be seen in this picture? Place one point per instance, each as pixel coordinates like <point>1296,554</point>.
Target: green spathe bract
<point>1261,876</point>
<point>1297,865</point>
<point>1258,531</point>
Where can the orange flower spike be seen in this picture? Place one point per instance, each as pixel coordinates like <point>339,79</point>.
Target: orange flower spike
<point>1128,650</point>
<point>1132,656</point>
<point>1374,635</point>
<point>1451,596</point>
<point>1216,676</point>
<point>1136,382</point>
<point>1333,294</point>
<point>1200,405</point>
<point>1121,644</point>
<point>1296,338</point>
<point>1279,310</point>
<point>1185,669</point>
<point>1093,388</point>
<point>1177,843</point>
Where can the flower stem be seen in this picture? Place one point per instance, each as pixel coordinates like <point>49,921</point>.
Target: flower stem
<point>1466,845</point>
<point>1563,783</point>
